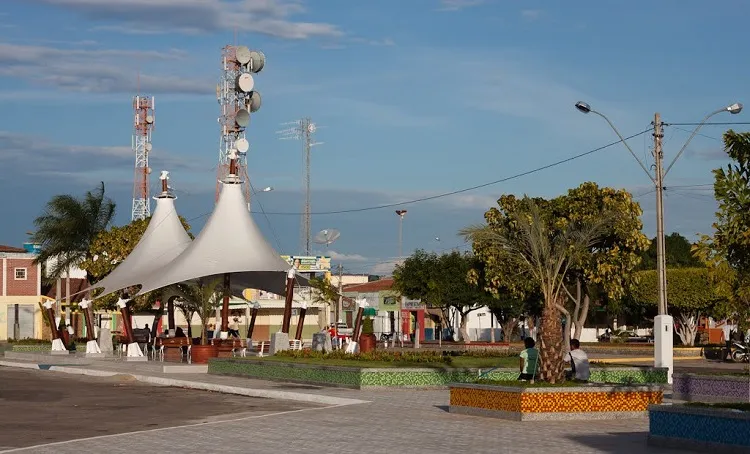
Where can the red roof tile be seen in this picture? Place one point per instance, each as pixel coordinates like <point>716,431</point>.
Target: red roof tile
<point>11,249</point>
<point>374,286</point>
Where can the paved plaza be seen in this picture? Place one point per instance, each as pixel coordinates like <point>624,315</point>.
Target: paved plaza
<point>191,421</point>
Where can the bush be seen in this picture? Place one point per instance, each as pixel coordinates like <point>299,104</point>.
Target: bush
<point>376,355</point>
<point>368,326</point>
<point>29,341</point>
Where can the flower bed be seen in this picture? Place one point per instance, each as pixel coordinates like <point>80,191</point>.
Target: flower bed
<point>370,375</point>
<point>694,428</point>
<point>711,388</point>
<point>547,403</point>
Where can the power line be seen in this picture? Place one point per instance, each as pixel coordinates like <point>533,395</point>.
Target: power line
<point>728,123</point>
<point>472,188</point>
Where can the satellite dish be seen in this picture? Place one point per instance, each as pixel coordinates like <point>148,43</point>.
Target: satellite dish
<point>245,83</point>
<point>149,119</point>
<point>242,145</point>
<point>253,104</point>
<point>257,61</point>
<point>327,236</point>
<point>242,118</point>
<point>242,54</point>
<point>148,146</point>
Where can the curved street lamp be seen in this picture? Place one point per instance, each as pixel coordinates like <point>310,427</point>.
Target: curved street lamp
<point>663,354</point>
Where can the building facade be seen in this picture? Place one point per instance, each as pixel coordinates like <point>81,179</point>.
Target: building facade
<point>20,294</point>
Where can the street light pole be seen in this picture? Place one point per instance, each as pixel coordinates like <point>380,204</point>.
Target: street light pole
<point>401,214</point>
<point>663,323</point>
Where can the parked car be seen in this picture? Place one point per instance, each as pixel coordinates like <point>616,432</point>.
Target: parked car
<point>626,337</point>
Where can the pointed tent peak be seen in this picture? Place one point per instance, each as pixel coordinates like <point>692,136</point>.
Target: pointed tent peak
<point>230,242</point>
<point>164,239</point>
<point>233,176</point>
<point>165,189</point>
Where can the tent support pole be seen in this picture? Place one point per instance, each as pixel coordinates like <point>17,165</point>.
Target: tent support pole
<point>288,301</point>
<point>170,314</point>
<point>225,305</point>
<point>251,328</point>
<point>300,323</point>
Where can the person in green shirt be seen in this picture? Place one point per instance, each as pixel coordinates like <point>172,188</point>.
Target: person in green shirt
<point>528,360</point>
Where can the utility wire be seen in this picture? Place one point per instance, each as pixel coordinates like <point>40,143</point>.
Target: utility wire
<point>472,188</point>
<point>728,123</point>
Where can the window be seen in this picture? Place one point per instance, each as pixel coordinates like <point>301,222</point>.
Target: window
<point>20,274</point>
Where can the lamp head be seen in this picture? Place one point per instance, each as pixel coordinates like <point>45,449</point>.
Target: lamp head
<point>583,107</point>
<point>735,108</point>
<point>267,189</point>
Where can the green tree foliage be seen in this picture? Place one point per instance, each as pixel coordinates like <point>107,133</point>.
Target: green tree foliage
<point>524,240</point>
<point>691,294</point>
<point>69,226</point>
<point>323,292</point>
<point>440,281</point>
<point>201,298</point>
<point>109,249</point>
<point>678,253</point>
<point>727,252</point>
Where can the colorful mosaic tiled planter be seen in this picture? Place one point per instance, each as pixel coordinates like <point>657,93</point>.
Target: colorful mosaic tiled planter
<point>699,429</point>
<point>368,378</point>
<point>547,404</point>
<point>711,388</point>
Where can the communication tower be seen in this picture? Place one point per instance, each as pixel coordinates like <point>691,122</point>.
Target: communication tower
<point>237,99</point>
<point>304,130</point>
<point>143,125</point>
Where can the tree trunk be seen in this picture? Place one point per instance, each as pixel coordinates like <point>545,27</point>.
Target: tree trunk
<point>581,303</point>
<point>462,329</point>
<point>688,328</point>
<point>508,328</point>
<point>551,367</point>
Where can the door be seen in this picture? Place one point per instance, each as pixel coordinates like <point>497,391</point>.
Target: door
<point>24,313</point>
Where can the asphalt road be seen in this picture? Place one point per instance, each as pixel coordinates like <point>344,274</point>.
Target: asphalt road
<point>38,407</point>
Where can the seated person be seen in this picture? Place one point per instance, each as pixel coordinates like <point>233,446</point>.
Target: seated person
<point>528,360</point>
<point>579,363</point>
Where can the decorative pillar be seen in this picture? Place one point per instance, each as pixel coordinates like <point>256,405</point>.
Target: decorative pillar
<point>92,347</point>
<point>288,303</point>
<point>301,321</point>
<point>170,314</point>
<point>57,343</point>
<point>361,304</point>
<point>225,305</point>
<point>253,316</point>
<point>133,350</point>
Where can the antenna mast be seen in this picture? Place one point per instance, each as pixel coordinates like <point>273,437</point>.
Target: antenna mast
<point>304,130</point>
<point>143,125</point>
<point>237,100</point>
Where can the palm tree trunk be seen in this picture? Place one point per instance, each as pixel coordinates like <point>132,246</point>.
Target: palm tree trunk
<point>551,366</point>
<point>67,296</point>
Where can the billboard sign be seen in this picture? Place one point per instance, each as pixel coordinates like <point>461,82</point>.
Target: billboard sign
<point>412,305</point>
<point>308,263</point>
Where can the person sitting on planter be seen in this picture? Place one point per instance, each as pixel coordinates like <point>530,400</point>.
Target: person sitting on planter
<point>528,360</point>
<point>579,363</point>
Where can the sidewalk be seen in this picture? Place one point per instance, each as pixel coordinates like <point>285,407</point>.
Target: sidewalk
<point>381,421</point>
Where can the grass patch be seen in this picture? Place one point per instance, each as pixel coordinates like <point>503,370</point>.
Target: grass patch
<point>741,406</point>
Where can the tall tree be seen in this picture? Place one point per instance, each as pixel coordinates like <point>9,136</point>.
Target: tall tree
<point>727,252</point>
<point>524,236</point>
<point>691,292</point>
<point>441,281</point>
<point>678,253</point>
<point>606,266</point>
<point>323,292</point>
<point>201,298</point>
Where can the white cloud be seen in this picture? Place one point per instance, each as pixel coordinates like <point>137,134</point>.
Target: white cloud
<point>385,268</point>
<point>457,5</point>
<point>97,70</point>
<point>531,14</point>
<point>269,17</point>
<point>345,257</point>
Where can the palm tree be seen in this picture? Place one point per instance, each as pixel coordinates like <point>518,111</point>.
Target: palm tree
<point>67,228</point>
<point>535,246</point>
<point>202,298</point>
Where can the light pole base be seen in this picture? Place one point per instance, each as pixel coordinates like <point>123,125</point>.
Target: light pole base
<point>664,343</point>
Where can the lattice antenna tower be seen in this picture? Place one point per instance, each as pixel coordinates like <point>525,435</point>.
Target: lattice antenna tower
<point>303,130</point>
<point>143,126</point>
<point>237,100</point>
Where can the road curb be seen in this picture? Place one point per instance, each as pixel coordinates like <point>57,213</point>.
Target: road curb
<point>163,381</point>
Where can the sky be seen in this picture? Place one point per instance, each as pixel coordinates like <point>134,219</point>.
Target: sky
<point>411,99</point>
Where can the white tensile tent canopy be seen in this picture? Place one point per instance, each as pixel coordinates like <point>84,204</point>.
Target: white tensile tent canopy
<point>230,243</point>
<point>164,239</point>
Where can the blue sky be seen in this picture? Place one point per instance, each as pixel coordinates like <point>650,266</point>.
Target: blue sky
<point>412,99</point>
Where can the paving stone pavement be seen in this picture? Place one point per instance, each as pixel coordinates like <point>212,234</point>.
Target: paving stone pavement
<point>415,421</point>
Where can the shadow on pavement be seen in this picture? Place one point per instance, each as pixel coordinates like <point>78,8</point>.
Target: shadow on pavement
<point>617,442</point>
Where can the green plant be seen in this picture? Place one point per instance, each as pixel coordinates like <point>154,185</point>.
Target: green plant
<point>202,298</point>
<point>375,355</point>
<point>368,326</point>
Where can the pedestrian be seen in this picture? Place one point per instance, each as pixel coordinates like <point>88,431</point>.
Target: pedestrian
<point>727,332</point>
<point>579,363</point>
<point>234,327</point>
<point>528,360</point>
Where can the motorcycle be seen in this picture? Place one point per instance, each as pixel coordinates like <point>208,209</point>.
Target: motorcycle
<point>740,353</point>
